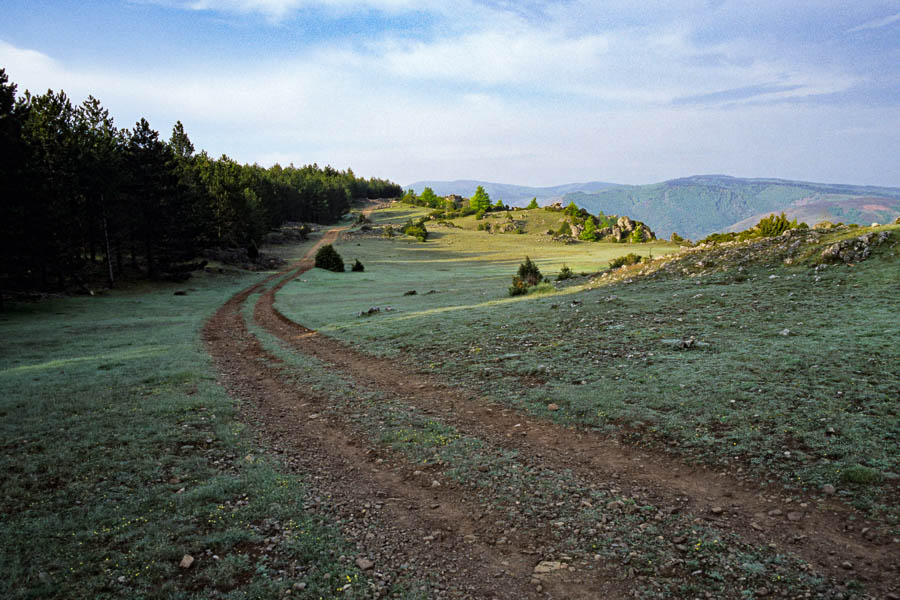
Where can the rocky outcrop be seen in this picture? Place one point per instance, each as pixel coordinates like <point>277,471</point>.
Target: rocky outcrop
<point>855,249</point>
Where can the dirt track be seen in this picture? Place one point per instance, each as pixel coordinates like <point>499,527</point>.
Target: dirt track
<point>399,521</point>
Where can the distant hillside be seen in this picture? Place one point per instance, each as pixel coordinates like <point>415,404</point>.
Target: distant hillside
<point>514,195</point>
<point>697,206</point>
<point>865,211</point>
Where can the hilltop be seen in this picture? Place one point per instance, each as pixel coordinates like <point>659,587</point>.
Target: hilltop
<point>513,195</point>
<point>699,205</point>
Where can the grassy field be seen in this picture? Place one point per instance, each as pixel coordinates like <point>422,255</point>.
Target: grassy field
<point>794,378</point>
<point>121,454</point>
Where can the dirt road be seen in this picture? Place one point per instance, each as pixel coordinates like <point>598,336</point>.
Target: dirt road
<point>410,523</point>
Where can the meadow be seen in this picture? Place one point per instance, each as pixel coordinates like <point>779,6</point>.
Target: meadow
<point>793,380</point>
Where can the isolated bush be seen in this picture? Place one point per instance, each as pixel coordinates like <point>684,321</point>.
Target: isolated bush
<point>533,204</point>
<point>357,267</point>
<point>629,259</point>
<point>388,231</point>
<point>328,258</point>
<point>481,227</point>
<point>564,229</point>
<point>479,215</point>
<point>529,273</point>
<point>637,236</point>
<point>565,273</point>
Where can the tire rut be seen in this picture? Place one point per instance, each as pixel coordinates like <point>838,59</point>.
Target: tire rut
<point>389,515</point>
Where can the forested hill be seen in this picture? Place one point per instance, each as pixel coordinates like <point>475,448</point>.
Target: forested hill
<point>513,195</point>
<point>697,206</point>
<point>78,192</point>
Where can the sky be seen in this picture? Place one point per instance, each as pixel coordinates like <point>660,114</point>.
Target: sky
<point>530,93</point>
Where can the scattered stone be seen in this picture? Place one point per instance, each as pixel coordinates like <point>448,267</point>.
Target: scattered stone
<point>794,516</point>
<point>548,566</point>
<point>828,489</point>
<point>762,592</point>
<point>847,565</point>
<point>410,293</point>
<point>553,406</point>
<point>186,561</point>
<point>364,563</point>
<point>435,483</point>
<point>717,510</point>
<point>784,332</point>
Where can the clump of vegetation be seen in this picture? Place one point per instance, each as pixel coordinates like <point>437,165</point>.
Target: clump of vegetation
<point>565,273</point>
<point>362,219</point>
<point>528,276</point>
<point>623,261</point>
<point>533,204</point>
<point>770,226</point>
<point>388,231</point>
<point>861,475</point>
<point>357,267</point>
<point>416,229</point>
<point>328,258</point>
<point>677,239</point>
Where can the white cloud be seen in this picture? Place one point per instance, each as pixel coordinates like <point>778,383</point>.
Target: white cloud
<point>876,23</point>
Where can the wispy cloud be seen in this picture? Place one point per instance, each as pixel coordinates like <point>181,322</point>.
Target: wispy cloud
<point>876,23</point>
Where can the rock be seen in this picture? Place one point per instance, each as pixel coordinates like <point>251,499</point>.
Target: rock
<point>847,565</point>
<point>364,563</point>
<point>552,406</point>
<point>548,566</point>
<point>762,592</point>
<point>794,516</point>
<point>775,512</point>
<point>410,293</point>
<point>784,332</point>
<point>435,483</point>
<point>186,561</point>
<point>717,510</point>
<point>828,489</point>
<point>300,586</point>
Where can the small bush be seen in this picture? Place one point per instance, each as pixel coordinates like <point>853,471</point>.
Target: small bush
<point>861,475</point>
<point>481,227</point>
<point>624,261</point>
<point>357,267</point>
<point>529,273</point>
<point>518,287</point>
<point>416,229</point>
<point>328,258</point>
<point>388,231</point>
<point>479,215</point>
<point>565,273</point>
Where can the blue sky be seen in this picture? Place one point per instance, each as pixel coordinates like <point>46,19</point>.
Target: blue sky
<point>537,93</point>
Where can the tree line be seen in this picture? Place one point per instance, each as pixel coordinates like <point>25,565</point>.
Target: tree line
<point>79,193</point>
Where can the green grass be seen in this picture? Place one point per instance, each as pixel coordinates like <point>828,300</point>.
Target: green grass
<point>797,410</point>
<point>120,454</point>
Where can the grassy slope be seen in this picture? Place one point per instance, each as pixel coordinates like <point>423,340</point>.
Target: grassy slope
<point>109,407</point>
<point>745,400</point>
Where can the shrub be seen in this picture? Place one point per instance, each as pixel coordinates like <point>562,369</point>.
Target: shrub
<point>533,204</point>
<point>481,227</point>
<point>479,215</point>
<point>388,231</point>
<point>637,236</point>
<point>564,229</point>
<point>529,273</point>
<point>771,226</point>
<point>518,287</point>
<point>357,267</point>
<point>623,261</point>
<point>328,258</point>
<point>565,273</point>
<point>416,229</point>
<point>861,475</point>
